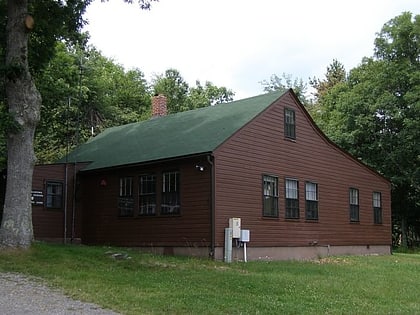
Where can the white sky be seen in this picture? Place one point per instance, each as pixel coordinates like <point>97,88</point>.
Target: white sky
<point>238,43</point>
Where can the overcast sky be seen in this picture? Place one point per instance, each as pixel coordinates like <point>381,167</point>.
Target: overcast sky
<point>239,43</point>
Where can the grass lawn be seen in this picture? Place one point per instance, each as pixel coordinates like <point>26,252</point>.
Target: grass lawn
<point>150,284</point>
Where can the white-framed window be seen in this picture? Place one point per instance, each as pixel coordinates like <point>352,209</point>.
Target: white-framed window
<point>270,196</point>
<point>289,123</point>
<point>292,198</point>
<point>354,204</point>
<point>311,196</point>
<point>170,193</point>
<point>54,195</point>
<point>377,207</point>
<point>147,194</point>
<point>125,199</point>
<point>126,186</point>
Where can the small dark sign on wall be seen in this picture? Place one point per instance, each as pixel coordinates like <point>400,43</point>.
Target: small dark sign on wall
<point>37,198</point>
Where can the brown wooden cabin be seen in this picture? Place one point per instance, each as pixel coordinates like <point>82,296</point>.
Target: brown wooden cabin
<point>55,216</point>
<point>170,184</point>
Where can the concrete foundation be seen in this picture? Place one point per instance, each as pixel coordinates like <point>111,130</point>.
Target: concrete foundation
<point>274,253</point>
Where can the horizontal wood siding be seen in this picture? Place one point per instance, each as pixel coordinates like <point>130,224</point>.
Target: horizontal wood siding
<point>261,148</point>
<point>103,225</point>
<point>49,223</point>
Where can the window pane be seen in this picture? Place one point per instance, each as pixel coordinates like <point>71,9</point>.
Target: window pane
<point>126,200</point>
<point>311,196</point>
<point>311,191</point>
<point>311,210</point>
<point>377,215</point>
<point>170,193</point>
<point>377,199</point>
<point>54,195</point>
<point>289,123</point>
<point>292,209</point>
<point>292,202</point>
<point>291,189</point>
<point>126,206</point>
<point>354,213</point>
<point>126,187</point>
<point>270,186</point>
<point>354,204</point>
<point>147,195</point>
<point>377,208</point>
<point>147,184</point>
<point>270,197</point>
<point>354,196</point>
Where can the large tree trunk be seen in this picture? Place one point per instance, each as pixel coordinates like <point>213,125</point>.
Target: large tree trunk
<point>24,101</point>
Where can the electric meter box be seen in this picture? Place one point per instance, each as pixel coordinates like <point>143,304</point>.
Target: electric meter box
<point>245,236</point>
<point>235,225</point>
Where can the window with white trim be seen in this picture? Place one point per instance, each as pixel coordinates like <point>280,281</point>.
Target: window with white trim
<point>354,204</point>
<point>54,195</point>
<point>311,196</point>
<point>126,199</point>
<point>289,123</point>
<point>147,194</point>
<point>270,196</point>
<point>377,207</point>
<point>170,193</point>
<point>292,199</point>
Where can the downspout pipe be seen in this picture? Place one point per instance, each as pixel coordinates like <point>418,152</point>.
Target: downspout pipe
<point>73,209</point>
<point>210,160</point>
<point>66,178</point>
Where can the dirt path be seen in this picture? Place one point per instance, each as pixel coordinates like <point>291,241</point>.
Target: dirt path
<point>22,295</point>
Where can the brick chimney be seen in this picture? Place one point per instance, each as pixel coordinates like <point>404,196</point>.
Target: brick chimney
<point>159,106</point>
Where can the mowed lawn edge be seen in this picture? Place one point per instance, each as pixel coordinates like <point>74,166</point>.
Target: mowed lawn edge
<point>131,282</point>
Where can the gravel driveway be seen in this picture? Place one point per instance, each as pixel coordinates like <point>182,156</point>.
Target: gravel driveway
<point>22,295</point>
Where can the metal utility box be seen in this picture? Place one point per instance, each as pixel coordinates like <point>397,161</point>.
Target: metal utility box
<point>228,245</point>
<point>245,237</point>
<point>235,225</point>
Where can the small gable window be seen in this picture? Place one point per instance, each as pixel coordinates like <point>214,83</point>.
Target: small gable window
<point>311,193</point>
<point>125,199</point>
<point>354,204</point>
<point>54,195</point>
<point>292,199</point>
<point>147,195</point>
<point>289,123</point>
<point>377,207</point>
<point>270,196</point>
<point>170,193</point>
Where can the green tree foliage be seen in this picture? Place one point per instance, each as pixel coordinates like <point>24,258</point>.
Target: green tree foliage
<point>112,96</point>
<point>182,97</point>
<point>54,21</point>
<point>321,111</point>
<point>208,95</point>
<point>174,87</point>
<point>336,73</point>
<point>84,93</point>
<point>375,112</point>
<point>144,4</point>
<point>285,82</point>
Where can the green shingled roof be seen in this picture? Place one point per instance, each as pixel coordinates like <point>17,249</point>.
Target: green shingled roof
<point>181,134</point>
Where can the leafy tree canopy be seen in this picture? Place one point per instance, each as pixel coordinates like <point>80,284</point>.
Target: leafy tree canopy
<point>84,93</point>
<point>374,112</point>
<point>335,74</point>
<point>182,97</point>
<point>285,82</point>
